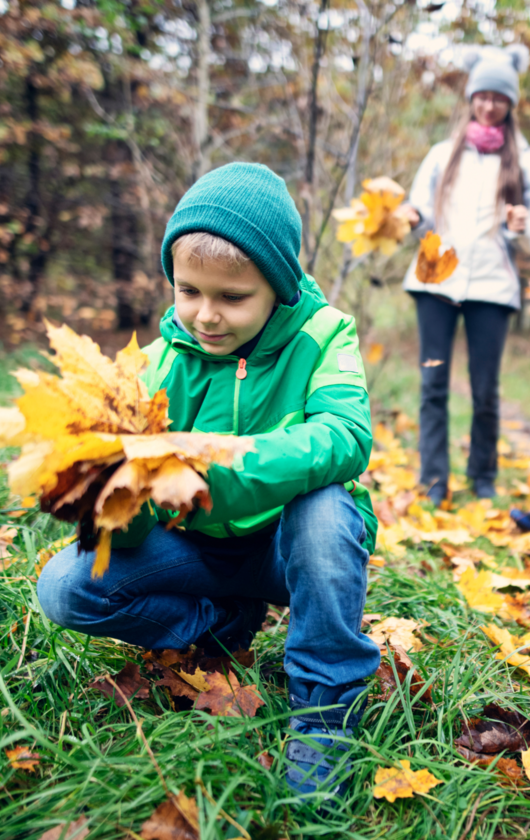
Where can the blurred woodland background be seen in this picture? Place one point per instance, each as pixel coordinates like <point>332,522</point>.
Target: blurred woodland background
<point>110,109</point>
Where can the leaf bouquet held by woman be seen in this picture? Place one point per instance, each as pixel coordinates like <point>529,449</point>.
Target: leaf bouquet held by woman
<point>474,191</point>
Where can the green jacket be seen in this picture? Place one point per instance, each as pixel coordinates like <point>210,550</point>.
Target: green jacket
<point>303,401</point>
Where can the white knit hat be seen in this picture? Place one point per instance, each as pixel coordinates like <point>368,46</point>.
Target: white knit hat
<point>496,69</point>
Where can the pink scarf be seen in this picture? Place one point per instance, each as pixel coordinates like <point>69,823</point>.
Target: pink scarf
<point>485,138</point>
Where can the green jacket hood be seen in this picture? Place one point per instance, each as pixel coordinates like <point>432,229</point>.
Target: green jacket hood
<point>279,331</point>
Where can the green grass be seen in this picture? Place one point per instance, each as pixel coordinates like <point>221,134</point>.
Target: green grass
<point>93,761</point>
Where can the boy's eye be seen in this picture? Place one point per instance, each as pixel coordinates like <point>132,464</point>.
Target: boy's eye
<point>234,298</point>
<point>186,291</point>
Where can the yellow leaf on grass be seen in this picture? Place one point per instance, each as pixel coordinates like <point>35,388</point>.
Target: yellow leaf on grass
<point>396,631</point>
<point>197,679</point>
<point>509,646</point>
<point>388,539</point>
<point>393,783</point>
<point>477,589</point>
<point>525,756</point>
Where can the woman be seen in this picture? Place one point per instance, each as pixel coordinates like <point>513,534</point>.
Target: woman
<point>473,190</point>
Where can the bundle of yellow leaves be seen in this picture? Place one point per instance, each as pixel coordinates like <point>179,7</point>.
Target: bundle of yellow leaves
<point>94,445</point>
<point>374,220</point>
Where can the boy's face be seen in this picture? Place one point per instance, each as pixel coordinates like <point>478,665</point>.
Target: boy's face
<point>221,310</point>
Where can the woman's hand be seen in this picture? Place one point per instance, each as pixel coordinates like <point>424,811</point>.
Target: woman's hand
<point>408,212</point>
<point>516,217</point>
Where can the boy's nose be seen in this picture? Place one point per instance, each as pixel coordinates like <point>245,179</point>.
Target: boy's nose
<point>207,314</point>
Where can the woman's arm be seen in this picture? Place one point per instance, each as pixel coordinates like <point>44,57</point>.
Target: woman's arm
<point>423,190</point>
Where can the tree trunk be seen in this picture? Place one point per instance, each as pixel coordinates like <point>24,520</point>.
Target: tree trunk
<point>202,161</point>
<point>124,238</point>
<point>33,202</point>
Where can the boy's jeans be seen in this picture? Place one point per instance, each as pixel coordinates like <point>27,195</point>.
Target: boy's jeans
<point>164,594</point>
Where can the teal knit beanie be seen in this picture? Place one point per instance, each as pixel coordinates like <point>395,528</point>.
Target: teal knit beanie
<point>247,204</point>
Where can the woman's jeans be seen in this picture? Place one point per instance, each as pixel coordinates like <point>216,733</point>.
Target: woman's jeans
<point>486,327</point>
<point>165,593</point>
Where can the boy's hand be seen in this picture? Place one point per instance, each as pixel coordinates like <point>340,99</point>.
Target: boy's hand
<point>516,217</point>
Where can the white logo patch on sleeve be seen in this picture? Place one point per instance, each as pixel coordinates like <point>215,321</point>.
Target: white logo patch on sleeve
<point>347,363</point>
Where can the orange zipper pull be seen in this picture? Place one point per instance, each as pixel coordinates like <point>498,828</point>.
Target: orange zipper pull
<point>241,372</point>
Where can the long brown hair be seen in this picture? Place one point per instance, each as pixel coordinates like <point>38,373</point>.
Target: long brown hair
<point>510,184</point>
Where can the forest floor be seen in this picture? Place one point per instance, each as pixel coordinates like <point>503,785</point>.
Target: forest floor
<point>114,766</point>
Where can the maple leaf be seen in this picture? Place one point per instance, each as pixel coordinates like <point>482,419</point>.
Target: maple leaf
<point>228,698</point>
<point>175,819</point>
<point>21,758</point>
<point>397,631</point>
<point>77,830</point>
<point>374,221</point>
<point>509,646</point>
<point>128,680</point>
<point>477,589</point>
<point>433,267</point>
<point>393,783</point>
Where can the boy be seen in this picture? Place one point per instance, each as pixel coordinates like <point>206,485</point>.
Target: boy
<point>251,348</point>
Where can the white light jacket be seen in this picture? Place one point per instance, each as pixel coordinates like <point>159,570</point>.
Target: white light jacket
<point>485,249</point>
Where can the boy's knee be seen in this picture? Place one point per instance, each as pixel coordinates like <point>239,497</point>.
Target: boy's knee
<point>324,520</point>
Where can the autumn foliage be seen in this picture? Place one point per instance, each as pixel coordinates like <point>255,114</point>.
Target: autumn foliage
<point>374,220</point>
<point>433,267</point>
<point>95,446</point>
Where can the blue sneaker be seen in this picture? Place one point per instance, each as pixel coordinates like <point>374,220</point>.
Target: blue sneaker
<point>316,759</point>
<point>521,519</point>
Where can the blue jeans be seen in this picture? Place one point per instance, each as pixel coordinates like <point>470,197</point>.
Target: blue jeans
<point>486,327</point>
<point>165,593</point>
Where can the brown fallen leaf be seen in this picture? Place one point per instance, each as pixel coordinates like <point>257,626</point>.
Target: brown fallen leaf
<point>21,758</point>
<point>433,267</point>
<point>266,760</point>
<point>176,685</point>
<point>501,729</point>
<point>76,830</point>
<point>388,681</point>
<point>195,658</point>
<point>506,768</point>
<point>128,680</point>
<point>175,819</point>
<point>393,783</point>
<point>228,698</point>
